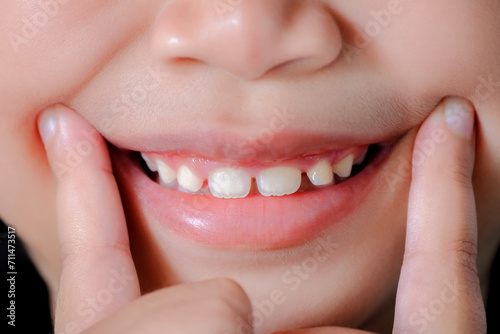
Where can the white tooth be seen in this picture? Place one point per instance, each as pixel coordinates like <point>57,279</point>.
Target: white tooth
<point>344,167</point>
<point>360,159</point>
<point>167,174</point>
<point>229,183</point>
<point>188,180</point>
<point>279,181</point>
<point>151,165</point>
<point>321,174</point>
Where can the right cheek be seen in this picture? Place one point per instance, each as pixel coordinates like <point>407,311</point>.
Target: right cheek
<point>50,52</point>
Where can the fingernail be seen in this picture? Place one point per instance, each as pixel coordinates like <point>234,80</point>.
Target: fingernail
<point>460,116</point>
<point>47,125</point>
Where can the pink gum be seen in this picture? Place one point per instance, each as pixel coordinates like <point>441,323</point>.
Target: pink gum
<point>202,167</point>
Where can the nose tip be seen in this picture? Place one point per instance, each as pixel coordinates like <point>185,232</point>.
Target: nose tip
<point>249,40</point>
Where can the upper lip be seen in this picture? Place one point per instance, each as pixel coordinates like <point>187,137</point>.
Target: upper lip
<point>232,137</point>
<point>227,145</point>
<point>345,115</point>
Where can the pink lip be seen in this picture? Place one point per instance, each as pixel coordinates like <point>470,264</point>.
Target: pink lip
<point>215,142</point>
<point>254,222</point>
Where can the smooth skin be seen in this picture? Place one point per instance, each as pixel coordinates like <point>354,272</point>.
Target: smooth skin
<point>228,73</point>
<point>438,274</point>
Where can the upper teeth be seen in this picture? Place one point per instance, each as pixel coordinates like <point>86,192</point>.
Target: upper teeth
<point>279,181</point>
<point>167,174</point>
<point>151,165</point>
<point>344,167</point>
<point>229,183</point>
<point>237,183</point>
<point>188,180</point>
<point>321,174</point>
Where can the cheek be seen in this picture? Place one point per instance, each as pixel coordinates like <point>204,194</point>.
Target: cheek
<point>45,56</point>
<point>51,45</point>
<point>36,71</point>
<point>28,192</point>
<point>439,47</point>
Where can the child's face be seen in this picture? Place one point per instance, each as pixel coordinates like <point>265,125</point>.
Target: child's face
<point>249,83</point>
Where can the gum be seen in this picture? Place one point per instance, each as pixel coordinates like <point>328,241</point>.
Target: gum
<point>203,166</point>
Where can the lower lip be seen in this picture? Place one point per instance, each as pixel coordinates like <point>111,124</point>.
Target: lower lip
<point>255,222</point>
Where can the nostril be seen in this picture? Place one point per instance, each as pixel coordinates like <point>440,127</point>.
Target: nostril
<point>288,65</point>
<point>184,60</point>
<point>304,64</point>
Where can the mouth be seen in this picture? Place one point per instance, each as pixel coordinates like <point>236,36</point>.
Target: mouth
<point>230,180</point>
<point>257,205</point>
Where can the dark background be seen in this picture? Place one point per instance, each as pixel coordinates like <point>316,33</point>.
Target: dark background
<point>32,305</point>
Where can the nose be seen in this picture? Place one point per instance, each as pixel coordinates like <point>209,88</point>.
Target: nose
<point>248,38</point>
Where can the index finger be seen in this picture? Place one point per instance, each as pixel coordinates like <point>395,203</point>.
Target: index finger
<point>98,273</point>
<point>438,291</point>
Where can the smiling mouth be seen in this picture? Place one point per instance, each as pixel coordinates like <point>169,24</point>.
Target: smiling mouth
<point>250,205</point>
<point>201,176</point>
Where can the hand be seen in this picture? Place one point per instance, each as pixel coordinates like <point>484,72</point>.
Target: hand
<point>99,288</point>
<point>438,289</point>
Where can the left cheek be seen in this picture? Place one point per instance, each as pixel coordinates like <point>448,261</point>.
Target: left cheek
<point>439,48</point>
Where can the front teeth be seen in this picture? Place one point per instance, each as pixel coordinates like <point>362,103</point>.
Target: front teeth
<point>279,181</point>
<point>229,183</point>
<point>321,174</point>
<point>167,174</point>
<point>151,165</point>
<point>344,167</point>
<point>237,183</point>
<point>188,180</point>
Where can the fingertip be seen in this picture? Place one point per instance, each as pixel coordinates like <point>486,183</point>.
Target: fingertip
<point>71,142</point>
<point>460,116</point>
<point>47,123</point>
<point>445,142</point>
